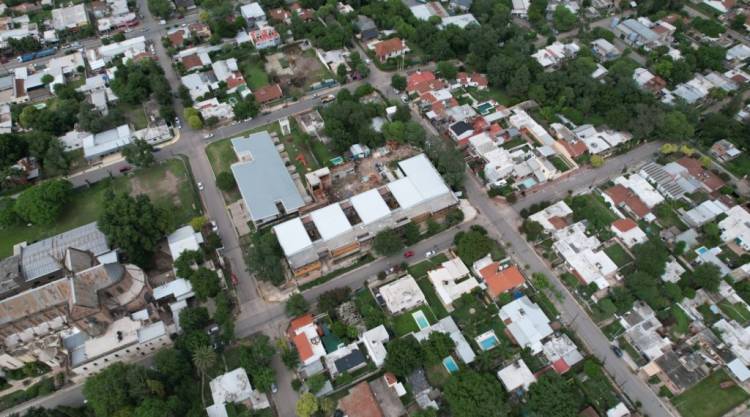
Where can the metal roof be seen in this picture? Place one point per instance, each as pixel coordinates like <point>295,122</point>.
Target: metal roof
<point>330,221</point>
<point>262,177</point>
<point>292,236</point>
<point>370,206</point>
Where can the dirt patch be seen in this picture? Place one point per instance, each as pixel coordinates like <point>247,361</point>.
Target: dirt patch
<point>367,172</point>
<point>166,185</point>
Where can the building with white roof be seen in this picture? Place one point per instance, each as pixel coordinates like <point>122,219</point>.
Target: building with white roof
<point>253,14</point>
<point>628,232</point>
<point>641,188</point>
<point>452,280</point>
<point>620,410</point>
<point>604,49</point>
<point>547,216</point>
<point>641,329</point>
<point>526,322</point>
<point>704,213</point>
<point>71,17</point>
<point>736,227</point>
<point>234,387</point>
<point>739,52</point>
<point>522,121</point>
<point>374,341</point>
<point>343,228</point>
<point>516,376</point>
<point>461,20</point>
<point>673,271</point>
<point>402,294</point>
<point>600,141</point>
<point>448,326</point>
<point>101,144</point>
<point>553,55</point>
<point>180,289</point>
<point>184,239</point>
<point>99,57</point>
<point>581,253</point>
<point>562,353</point>
<point>736,336</point>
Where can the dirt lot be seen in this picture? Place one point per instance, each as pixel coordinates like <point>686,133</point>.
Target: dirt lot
<point>165,186</point>
<point>296,70</point>
<point>366,175</point>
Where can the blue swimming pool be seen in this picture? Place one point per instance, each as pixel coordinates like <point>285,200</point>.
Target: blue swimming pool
<point>421,319</point>
<point>487,340</point>
<point>702,250</point>
<point>450,364</point>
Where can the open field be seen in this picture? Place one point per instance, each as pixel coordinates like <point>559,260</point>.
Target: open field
<point>708,399</point>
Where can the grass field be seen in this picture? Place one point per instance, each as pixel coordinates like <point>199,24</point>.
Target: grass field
<point>618,255</point>
<point>682,321</point>
<point>420,269</point>
<point>254,75</point>
<point>85,206</point>
<point>708,399</point>
<point>737,312</point>
<point>404,323</point>
<point>432,298</point>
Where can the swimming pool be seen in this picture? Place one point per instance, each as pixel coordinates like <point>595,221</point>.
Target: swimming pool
<point>487,340</point>
<point>421,319</point>
<point>702,250</point>
<point>450,364</point>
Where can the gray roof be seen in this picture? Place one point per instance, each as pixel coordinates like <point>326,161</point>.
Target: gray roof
<point>365,23</point>
<point>262,177</point>
<point>466,4</point>
<point>10,274</point>
<point>634,26</point>
<point>44,257</point>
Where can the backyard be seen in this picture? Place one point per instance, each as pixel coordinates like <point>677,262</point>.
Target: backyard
<point>405,323</point>
<point>168,184</point>
<point>618,255</point>
<point>708,398</point>
<point>737,311</point>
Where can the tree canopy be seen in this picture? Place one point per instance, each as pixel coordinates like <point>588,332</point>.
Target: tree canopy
<point>404,356</point>
<point>469,394</point>
<point>551,396</point>
<point>387,243</point>
<point>139,153</point>
<point>43,204</point>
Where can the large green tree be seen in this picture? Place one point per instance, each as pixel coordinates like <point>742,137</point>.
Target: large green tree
<point>264,257</point>
<point>139,153</point>
<point>552,396</point>
<point>404,356</point>
<point>470,394</point>
<point>387,243</point>
<point>43,204</point>
<point>134,225</point>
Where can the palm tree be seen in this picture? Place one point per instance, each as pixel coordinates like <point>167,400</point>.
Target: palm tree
<point>204,359</point>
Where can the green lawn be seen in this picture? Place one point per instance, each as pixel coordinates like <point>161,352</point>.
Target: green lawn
<point>737,311</point>
<point>618,255</point>
<point>613,330</point>
<point>86,203</point>
<point>254,75</point>
<point>667,216</point>
<point>708,399</point>
<point>558,163</point>
<point>739,166</point>
<point>404,323</point>
<point>682,321</point>
<point>432,299</point>
<point>420,269</point>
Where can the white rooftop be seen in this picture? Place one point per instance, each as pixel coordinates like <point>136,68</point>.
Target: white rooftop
<point>516,375</point>
<point>231,387</point>
<point>180,288</point>
<point>184,239</point>
<point>370,206</point>
<point>526,322</point>
<point>402,294</point>
<point>331,221</point>
<point>374,340</point>
<point>451,280</point>
<point>292,236</point>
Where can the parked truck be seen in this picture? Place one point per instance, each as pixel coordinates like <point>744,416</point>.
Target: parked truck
<point>34,55</point>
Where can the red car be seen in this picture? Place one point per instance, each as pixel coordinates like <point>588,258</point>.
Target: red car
<point>124,169</point>
<point>408,254</point>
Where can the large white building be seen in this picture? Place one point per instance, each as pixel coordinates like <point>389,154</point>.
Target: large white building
<point>736,227</point>
<point>402,295</point>
<point>452,280</point>
<point>583,255</point>
<point>527,323</point>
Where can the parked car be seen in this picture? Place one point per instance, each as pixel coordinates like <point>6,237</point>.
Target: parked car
<point>617,351</point>
<point>208,136</point>
<point>429,253</point>
<point>200,186</point>
<point>408,254</point>
<point>214,227</point>
<point>274,388</point>
<point>125,169</point>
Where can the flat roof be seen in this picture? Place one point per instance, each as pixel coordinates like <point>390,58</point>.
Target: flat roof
<point>262,177</point>
<point>370,206</point>
<point>404,192</point>
<point>292,236</point>
<point>330,221</point>
<point>423,175</point>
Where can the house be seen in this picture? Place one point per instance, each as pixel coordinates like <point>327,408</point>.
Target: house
<point>553,55</point>
<point>129,48</point>
<point>735,227</point>
<point>720,6</point>
<point>200,84</point>
<point>452,280</point>
<point>177,36</point>
<point>184,239</point>
<point>738,53</point>
<point>345,359</point>
<point>265,37</point>
<point>648,81</point>
<point>711,181</point>
<point>475,80</point>
<point>70,18</point>
<point>703,213</point>
<point>234,387</point>
<point>388,392</point>
<point>562,353</point>
<point>620,197</point>
<point>367,28</point>
<point>604,50</point>
<point>213,108</point>
<point>628,232</point>
<point>360,402</point>
<point>620,410</point>
<point>253,14</point>
<point>636,34</point>
<point>267,188</point>
<point>200,30</point>
<point>268,93</point>
<point>521,8</point>
<point>402,295</point>
<point>641,330</point>
<point>305,335</point>
<point>526,323</point>
<point>724,150</point>
<point>499,277</point>
<point>374,340</point>
<point>641,188</point>
<point>280,15</point>
<point>447,326</point>
<point>390,48</point>
<point>461,21</point>
<point>516,376</point>
<point>583,256</point>
<point>105,143</point>
<point>195,60</point>
<point>554,217</point>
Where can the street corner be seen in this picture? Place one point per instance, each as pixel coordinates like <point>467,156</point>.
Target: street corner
<point>470,212</point>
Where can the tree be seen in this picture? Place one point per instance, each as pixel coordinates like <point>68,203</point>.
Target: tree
<point>387,243</point>
<point>47,79</point>
<point>263,378</point>
<point>264,257</point>
<point>437,346</point>
<point>398,82</point>
<point>225,181</point>
<point>296,305</point>
<point>205,283</point>
<point>204,359</point>
<point>331,299</point>
<point>174,365</point>
<point>43,204</point>
<point>596,161</point>
<point>706,276</point>
<point>676,127</point>
<point>411,233</point>
<point>469,394</point>
<point>194,318</point>
<point>139,153</point>
<point>447,70</point>
<point>307,405</point>
<point>563,19</point>
<point>315,383</point>
<point>117,389</point>
<point>551,396</point>
<point>404,356</point>
<point>160,8</point>
<point>134,225</point>
<point>533,230</point>
<point>473,245</point>
<point>651,257</point>
<point>341,72</point>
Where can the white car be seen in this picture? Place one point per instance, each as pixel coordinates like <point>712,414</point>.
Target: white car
<point>214,227</point>
<point>200,186</point>
<point>162,22</point>
<point>429,253</point>
<point>208,136</point>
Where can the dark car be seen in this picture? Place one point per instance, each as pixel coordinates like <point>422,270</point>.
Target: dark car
<point>617,351</point>
<point>125,169</point>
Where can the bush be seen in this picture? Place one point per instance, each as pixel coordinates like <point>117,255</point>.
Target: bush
<point>225,181</point>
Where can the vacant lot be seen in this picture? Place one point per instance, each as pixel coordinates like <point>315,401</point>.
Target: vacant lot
<point>708,399</point>
<point>167,184</point>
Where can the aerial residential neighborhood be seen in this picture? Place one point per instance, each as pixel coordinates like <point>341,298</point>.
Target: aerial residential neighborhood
<point>390,208</point>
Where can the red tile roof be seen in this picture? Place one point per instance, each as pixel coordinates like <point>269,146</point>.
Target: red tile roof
<point>360,402</point>
<point>621,195</point>
<point>177,38</point>
<point>191,61</point>
<point>558,222</point>
<point>418,77</point>
<point>624,225</point>
<point>387,47</point>
<point>560,366</point>
<point>501,281</point>
<point>575,149</point>
<point>268,93</point>
<point>694,167</point>
<point>304,348</point>
<point>235,80</point>
<point>278,14</point>
<point>300,322</point>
